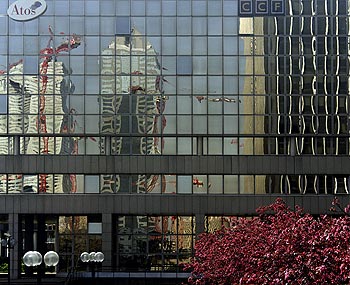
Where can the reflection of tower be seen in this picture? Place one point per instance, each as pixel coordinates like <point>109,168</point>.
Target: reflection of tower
<point>309,88</point>
<point>251,31</point>
<point>35,106</point>
<point>129,97</point>
<point>23,101</point>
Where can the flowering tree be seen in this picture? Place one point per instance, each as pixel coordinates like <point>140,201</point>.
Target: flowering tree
<point>279,246</point>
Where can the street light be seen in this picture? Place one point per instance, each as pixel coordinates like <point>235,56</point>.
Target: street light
<point>92,258</point>
<point>9,244</point>
<point>34,258</point>
<point>51,258</point>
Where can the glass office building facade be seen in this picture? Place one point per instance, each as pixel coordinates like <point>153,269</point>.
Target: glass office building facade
<point>131,126</point>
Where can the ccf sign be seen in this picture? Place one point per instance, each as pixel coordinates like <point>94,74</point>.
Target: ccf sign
<point>253,8</point>
<point>25,10</point>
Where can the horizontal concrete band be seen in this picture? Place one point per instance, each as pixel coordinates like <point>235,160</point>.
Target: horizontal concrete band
<point>99,164</point>
<point>157,204</point>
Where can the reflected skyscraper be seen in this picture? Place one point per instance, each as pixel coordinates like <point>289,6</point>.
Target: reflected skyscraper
<point>306,56</point>
<point>36,105</point>
<point>131,83</point>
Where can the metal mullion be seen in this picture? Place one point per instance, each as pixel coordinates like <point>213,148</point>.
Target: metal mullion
<point>207,150</point>
<point>160,59</point>
<point>176,89</point>
<point>222,83</point>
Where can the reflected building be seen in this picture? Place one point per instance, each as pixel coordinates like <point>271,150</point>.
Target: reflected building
<point>306,54</point>
<point>254,84</point>
<point>36,105</point>
<point>23,103</point>
<point>131,84</point>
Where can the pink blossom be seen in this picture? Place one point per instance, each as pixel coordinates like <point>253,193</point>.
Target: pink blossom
<point>279,246</point>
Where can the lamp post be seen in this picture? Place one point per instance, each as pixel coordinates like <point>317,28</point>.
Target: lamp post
<point>34,258</point>
<point>92,258</point>
<point>9,244</point>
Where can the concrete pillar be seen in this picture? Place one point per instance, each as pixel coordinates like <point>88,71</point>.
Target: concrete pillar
<point>200,224</point>
<point>200,148</point>
<point>107,145</point>
<point>107,239</point>
<point>14,258</point>
<point>16,145</point>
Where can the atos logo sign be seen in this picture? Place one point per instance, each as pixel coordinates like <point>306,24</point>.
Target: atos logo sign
<point>256,8</point>
<point>25,10</point>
